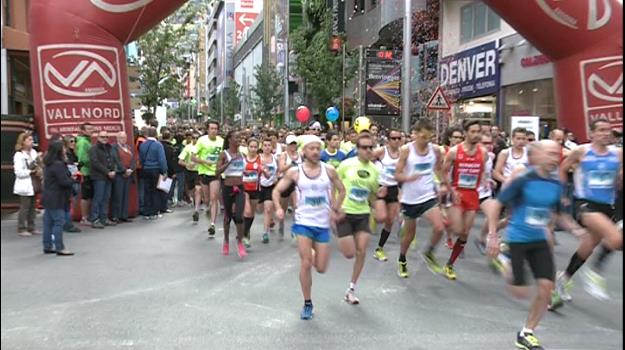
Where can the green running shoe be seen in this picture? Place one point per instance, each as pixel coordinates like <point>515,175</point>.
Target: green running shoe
<point>403,269</point>
<point>527,341</point>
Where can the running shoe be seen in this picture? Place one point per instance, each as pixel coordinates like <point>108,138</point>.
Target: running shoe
<point>246,242</point>
<point>402,269</point>
<point>265,237</point>
<point>211,231</point>
<point>449,272</point>
<point>556,301</point>
<point>595,284</point>
<point>307,312</point>
<point>431,263</point>
<point>225,250</point>
<point>481,246</point>
<point>564,286</point>
<point>527,341</point>
<point>379,254</point>
<point>350,297</point>
<point>241,251</point>
<point>196,217</point>
<point>496,265</point>
<point>449,244</point>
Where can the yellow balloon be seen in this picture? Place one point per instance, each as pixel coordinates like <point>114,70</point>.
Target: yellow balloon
<point>362,123</point>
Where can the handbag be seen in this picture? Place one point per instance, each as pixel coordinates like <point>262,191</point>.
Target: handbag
<point>37,183</point>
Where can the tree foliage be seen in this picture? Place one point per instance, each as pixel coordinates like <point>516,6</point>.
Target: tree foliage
<point>231,102</point>
<point>320,68</point>
<point>268,92</point>
<point>163,51</point>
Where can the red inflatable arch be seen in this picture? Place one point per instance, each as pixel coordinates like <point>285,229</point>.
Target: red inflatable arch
<point>584,39</point>
<point>78,64</point>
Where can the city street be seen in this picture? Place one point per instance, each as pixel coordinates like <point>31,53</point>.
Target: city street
<point>163,285</point>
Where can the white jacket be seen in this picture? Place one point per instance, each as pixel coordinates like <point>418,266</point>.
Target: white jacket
<point>23,184</point>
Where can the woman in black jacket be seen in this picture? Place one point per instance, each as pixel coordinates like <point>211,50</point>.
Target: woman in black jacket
<point>57,190</point>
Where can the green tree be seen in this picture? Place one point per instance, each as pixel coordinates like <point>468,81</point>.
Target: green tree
<point>232,99</point>
<point>320,68</point>
<point>163,51</point>
<point>268,93</point>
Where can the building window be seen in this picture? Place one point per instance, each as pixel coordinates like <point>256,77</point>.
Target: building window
<point>476,20</point>
<point>359,7</point>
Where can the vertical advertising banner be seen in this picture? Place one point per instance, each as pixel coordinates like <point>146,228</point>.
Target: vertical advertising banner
<point>245,12</point>
<point>383,79</point>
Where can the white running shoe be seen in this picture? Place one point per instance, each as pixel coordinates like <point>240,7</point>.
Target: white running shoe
<point>564,286</point>
<point>595,284</point>
<point>350,297</point>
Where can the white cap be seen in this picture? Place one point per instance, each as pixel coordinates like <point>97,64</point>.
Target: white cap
<point>308,139</point>
<point>316,125</point>
<point>290,139</point>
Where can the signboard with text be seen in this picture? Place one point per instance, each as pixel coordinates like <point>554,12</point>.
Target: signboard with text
<point>383,79</point>
<point>530,123</point>
<point>245,13</point>
<point>471,73</point>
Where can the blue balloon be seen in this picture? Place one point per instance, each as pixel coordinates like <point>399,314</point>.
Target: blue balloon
<point>332,114</point>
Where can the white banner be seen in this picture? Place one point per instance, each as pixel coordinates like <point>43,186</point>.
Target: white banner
<point>531,123</point>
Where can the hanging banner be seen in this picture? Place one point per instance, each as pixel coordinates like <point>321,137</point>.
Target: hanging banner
<point>383,79</point>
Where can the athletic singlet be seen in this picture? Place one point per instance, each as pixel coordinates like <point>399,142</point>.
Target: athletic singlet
<point>467,171</point>
<point>251,174</point>
<point>278,149</point>
<point>293,163</point>
<point>387,170</point>
<point>595,176</point>
<point>313,199</point>
<point>485,191</point>
<point>512,163</point>
<point>273,170</point>
<point>235,168</point>
<point>422,189</point>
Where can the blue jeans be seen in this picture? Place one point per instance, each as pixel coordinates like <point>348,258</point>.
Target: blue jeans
<point>119,202</point>
<point>100,203</point>
<point>151,195</point>
<point>53,220</point>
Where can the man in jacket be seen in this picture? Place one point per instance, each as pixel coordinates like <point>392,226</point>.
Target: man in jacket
<point>102,175</point>
<point>152,157</point>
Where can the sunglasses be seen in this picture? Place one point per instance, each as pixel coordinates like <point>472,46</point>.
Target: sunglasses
<point>395,138</point>
<point>457,137</point>
<point>72,141</point>
<point>365,147</point>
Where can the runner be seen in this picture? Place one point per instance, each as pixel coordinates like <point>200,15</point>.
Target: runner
<point>208,148</point>
<point>455,137</point>
<point>598,174</point>
<point>288,159</point>
<point>268,180</point>
<point>332,155</point>
<point>360,178</point>
<point>316,184</point>
<point>510,158</point>
<point>468,161</point>
<point>251,183</point>
<point>485,191</point>
<point>387,157</point>
<point>534,199</point>
<point>191,179</point>
<point>418,162</point>
<point>232,164</point>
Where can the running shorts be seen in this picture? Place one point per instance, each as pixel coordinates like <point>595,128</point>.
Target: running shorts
<point>469,200</point>
<point>415,211</point>
<point>353,223</point>
<point>392,195</point>
<point>317,234</point>
<point>538,256</point>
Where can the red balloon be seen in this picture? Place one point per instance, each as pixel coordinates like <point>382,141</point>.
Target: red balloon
<point>302,114</point>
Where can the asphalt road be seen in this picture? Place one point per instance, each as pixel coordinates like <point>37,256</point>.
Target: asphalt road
<point>163,285</point>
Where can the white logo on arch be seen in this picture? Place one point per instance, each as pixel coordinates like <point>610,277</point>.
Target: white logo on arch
<point>559,15</point>
<point>71,84</point>
<point>120,8</point>
<point>601,89</point>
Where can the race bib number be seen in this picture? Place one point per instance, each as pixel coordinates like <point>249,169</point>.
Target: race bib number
<point>359,194</point>
<point>315,201</point>
<point>237,164</point>
<point>467,181</point>
<point>601,179</point>
<point>389,170</point>
<point>251,176</point>
<point>212,158</point>
<point>537,216</point>
<point>423,168</point>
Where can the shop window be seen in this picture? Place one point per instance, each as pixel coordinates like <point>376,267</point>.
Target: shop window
<point>533,98</point>
<point>476,20</point>
<point>359,7</point>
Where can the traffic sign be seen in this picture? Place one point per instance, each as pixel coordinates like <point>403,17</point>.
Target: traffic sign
<point>438,101</point>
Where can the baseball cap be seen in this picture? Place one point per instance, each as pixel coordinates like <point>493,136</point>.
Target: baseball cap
<point>316,125</point>
<point>291,139</point>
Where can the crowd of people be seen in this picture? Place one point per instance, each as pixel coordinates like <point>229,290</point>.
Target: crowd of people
<point>343,184</point>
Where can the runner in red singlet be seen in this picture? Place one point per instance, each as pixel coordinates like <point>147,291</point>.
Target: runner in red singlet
<point>467,162</point>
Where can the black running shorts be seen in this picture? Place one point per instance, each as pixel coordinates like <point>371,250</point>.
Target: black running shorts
<point>539,257</point>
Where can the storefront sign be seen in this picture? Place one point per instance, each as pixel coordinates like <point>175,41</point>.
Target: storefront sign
<point>530,123</point>
<point>536,60</point>
<point>471,73</point>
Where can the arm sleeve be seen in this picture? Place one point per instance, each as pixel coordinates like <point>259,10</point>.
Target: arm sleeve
<point>512,191</point>
<point>19,166</point>
<point>62,178</point>
<point>162,158</point>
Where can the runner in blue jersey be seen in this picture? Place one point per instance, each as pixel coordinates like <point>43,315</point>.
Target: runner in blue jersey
<point>534,201</point>
<point>598,176</point>
<point>332,154</point>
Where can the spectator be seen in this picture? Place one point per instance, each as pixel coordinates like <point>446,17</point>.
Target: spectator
<point>171,157</point>
<point>152,157</point>
<point>141,137</point>
<point>125,164</point>
<point>83,145</point>
<point>55,198</point>
<point>570,142</point>
<point>102,175</point>
<point>531,136</point>
<point>26,163</point>
<point>72,166</point>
